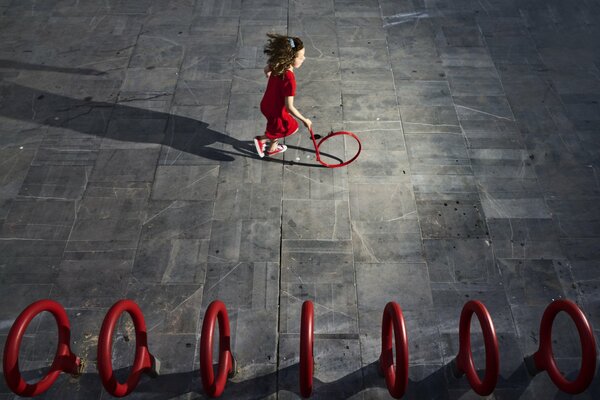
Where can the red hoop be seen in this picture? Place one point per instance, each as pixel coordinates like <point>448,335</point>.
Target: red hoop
<point>306,349</point>
<point>64,359</point>
<point>332,134</point>
<point>544,358</point>
<point>396,377</point>
<point>144,362</point>
<point>464,359</point>
<point>214,387</point>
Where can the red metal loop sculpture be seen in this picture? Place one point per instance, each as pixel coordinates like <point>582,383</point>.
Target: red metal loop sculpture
<point>306,349</point>
<point>332,134</point>
<point>144,362</point>
<point>544,358</point>
<point>396,377</point>
<point>464,359</point>
<point>214,387</point>
<point>64,360</point>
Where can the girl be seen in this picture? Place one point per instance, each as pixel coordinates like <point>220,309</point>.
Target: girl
<point>285,53</point>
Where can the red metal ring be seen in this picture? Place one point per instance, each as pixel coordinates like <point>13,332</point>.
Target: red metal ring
<point>214,387</point>
<point>306,349</point>
<point>544,358</point>
<point>143,359</point>
<point>464,359</point>
<point>64,360</point>
<point>396,377</point>
<point>332,134</point>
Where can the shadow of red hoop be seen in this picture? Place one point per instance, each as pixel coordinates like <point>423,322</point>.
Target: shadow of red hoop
<point>227,365</point>
<point>64,359</point>
<point>306,349</point>
<point>396,377</point>
<point>543,358</point>
<point>463,363</point>
<point>144,362</point>
<point>333,134</point>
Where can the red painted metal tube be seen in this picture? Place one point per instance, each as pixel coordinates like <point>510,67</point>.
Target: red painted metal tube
<point>464,359</point>
<point>332,134</point>
<point>396,377</point>
<point>64,360</point>
<point>306,349</point>
<point>214,387</point>
<point>143,362</point>
<point>544,358</point>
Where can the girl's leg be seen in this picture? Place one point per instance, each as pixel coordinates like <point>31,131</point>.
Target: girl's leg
<point>273,145</point>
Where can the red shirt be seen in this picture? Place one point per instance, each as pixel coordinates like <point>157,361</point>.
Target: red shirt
<point>279,121</point>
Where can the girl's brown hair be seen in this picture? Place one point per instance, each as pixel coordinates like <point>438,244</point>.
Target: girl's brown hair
<point>282,51</point>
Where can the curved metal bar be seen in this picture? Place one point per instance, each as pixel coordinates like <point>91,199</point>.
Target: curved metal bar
<point>332,134</point>
<point>396,377</point>
<point>214,387</point>
<point>544,358</point>
<point>464,359</point>
<point>144,362</point>
<point>64,359</point>
<point>306,349</point>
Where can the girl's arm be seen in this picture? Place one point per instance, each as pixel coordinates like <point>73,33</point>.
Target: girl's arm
<point>289,105</point>
<point>267,70</point>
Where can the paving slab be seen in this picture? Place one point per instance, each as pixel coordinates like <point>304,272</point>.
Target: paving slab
<point>127,170</point>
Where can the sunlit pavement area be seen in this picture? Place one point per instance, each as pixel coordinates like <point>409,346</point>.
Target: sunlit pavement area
<point>127,170</point>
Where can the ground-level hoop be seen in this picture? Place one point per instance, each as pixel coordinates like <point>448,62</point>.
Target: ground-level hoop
<point>543,358</point>
<point>396,377</point>
<point>64,360</point>
<point>144,362</point>
<point>214,386</point>
<point>464,360</point>
<point>332,134</point>
<point>306,349</point>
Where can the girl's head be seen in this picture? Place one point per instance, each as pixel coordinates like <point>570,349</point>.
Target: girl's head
<point>284,52</point>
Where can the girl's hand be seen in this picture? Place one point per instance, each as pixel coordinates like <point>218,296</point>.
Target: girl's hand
<point>308,123</point>
<point>267,70</point>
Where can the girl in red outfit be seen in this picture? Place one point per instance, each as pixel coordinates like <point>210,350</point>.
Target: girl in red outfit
<point>285,53</point>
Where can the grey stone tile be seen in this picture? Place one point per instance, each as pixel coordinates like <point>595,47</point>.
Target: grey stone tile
<point>177,220</point>
<point>154,80</point>
<point>449,298</point>
<point>28,270</point>
<point>135,133</point>
<point>22,296</point>
<point>41,219</point>
<point>466,57</point>
<point>370,106</point>
<point>337,367</point>
<point>171,261</point>
<point>260,240</point>
<point>185,182</point>
<point>457,219</point>
<point>13,170</point>
<point>436,186</point>
<point>242,285</point>
<point>125,165</point>
<point>460,260</point>
<point>575,218</point>
<point>462,36</point>
<point>156,52</point>
<point>510,205</point>
<point>171,308</point>
<point>482,107</point>
<point>91,283</point>
<point>314,183</point>
<point>375,166</point>
<point>316,219</point>
<point>382,202</point>
<point>436,148</point>
<point>439,119</point>
<point>424,93</point>
<point>409,67</point>
<point>65,182</point>
<point>531,282</point>
<point>393,241</point>
<point>407,284</point>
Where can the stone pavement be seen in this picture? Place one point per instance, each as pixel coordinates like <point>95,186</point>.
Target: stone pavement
<point>127,171</point>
